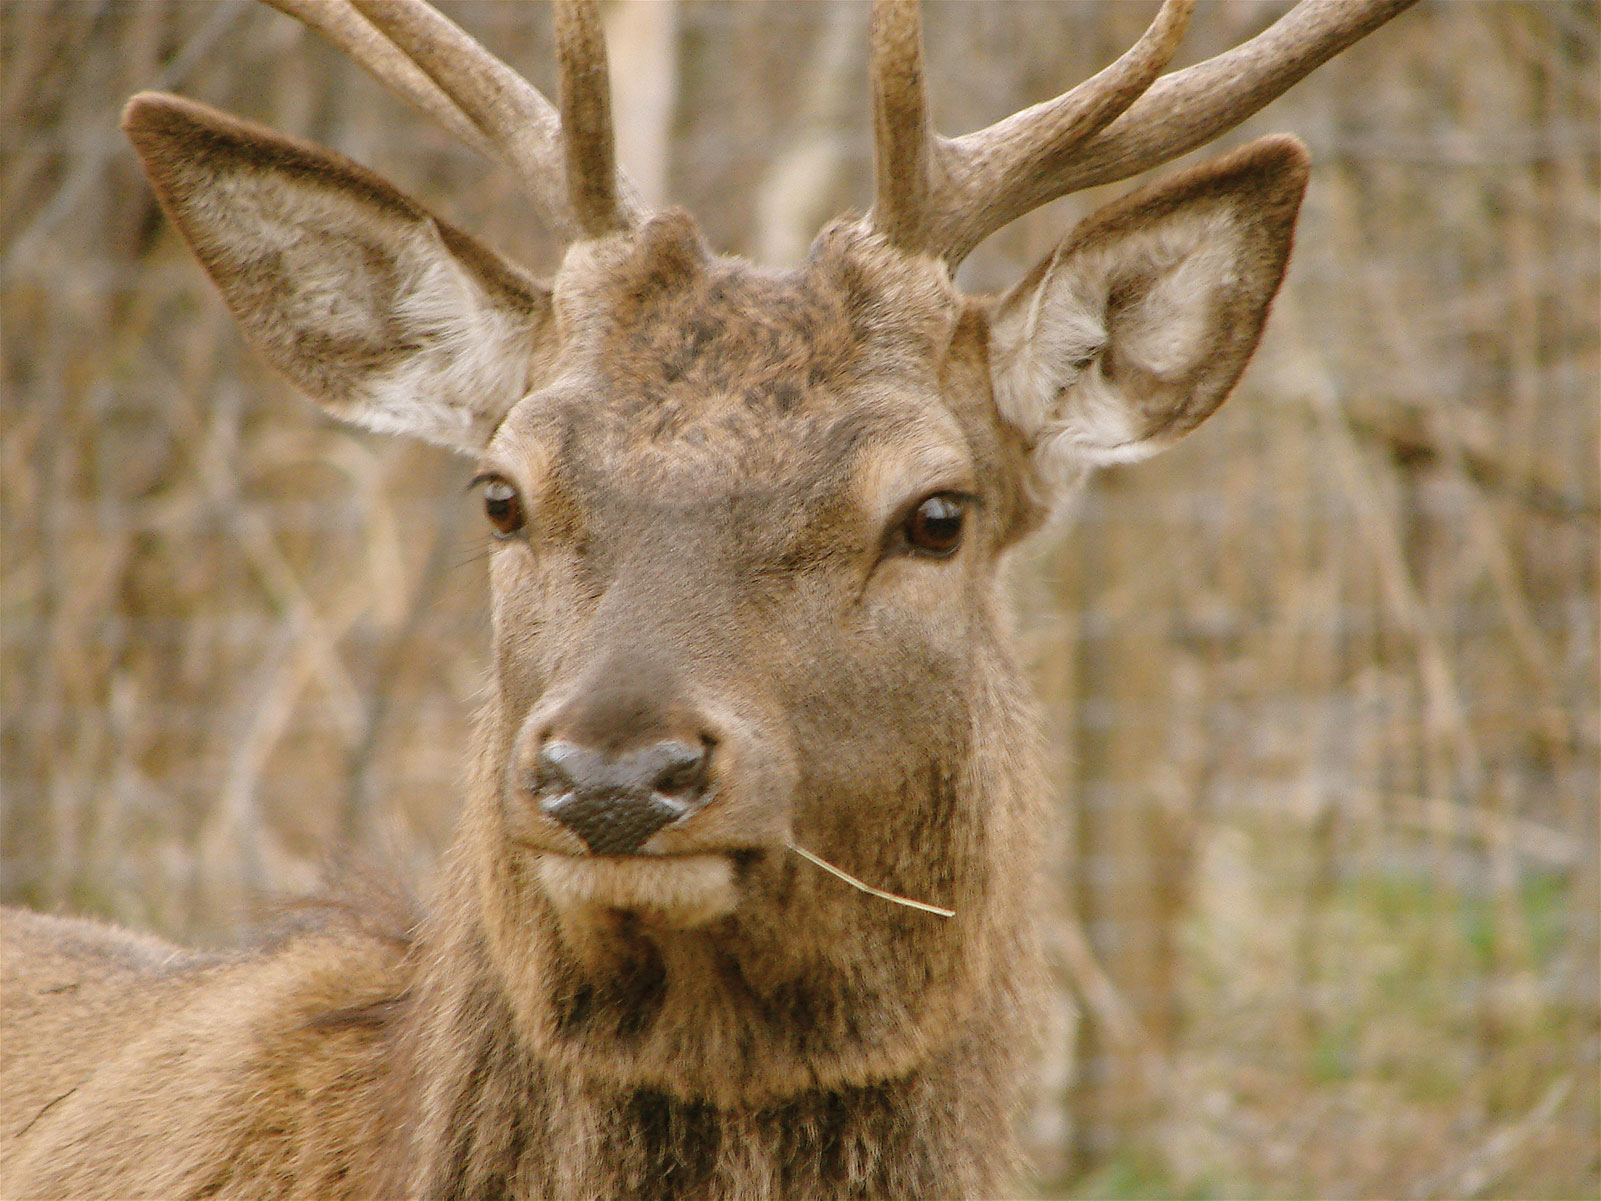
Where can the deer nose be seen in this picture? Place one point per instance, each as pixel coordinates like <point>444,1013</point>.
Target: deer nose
<point>615,800</point>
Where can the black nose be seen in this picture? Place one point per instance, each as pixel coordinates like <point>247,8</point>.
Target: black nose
<point>614,801</point>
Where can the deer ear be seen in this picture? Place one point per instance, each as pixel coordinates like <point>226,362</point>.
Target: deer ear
<point>1137,327</point>
<point>383,314</point>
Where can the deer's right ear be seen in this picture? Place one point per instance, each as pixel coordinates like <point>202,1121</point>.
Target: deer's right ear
<point>383,314</point>
<point>1137,327</point>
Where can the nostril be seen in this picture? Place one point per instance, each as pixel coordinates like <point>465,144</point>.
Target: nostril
<point>673,767</point>
<point>679,768</point>
<point>614,801</point>
<point>559,766</point>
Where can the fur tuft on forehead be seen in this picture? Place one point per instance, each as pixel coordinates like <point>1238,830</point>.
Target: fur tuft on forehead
<point>655,314</point>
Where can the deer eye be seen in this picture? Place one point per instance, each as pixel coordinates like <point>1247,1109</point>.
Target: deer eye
<point>503,506</point>
<point>934,527</point>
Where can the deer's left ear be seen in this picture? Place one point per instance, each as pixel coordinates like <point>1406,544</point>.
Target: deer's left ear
<point>1138,325</point>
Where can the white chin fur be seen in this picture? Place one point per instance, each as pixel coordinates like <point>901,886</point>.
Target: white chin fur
<point>679,890</point>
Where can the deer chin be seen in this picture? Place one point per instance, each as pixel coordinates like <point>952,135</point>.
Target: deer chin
<point>675,891</point>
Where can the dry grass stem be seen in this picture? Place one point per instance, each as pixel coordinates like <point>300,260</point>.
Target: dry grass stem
<point>922,906</point>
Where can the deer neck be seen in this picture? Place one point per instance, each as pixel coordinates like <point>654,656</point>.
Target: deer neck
<point>490,1117</point>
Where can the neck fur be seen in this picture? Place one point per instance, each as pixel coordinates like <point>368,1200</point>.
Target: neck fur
<point>488,1118</point>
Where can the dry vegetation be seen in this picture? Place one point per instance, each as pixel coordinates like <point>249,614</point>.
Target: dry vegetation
<point>1322,683</point>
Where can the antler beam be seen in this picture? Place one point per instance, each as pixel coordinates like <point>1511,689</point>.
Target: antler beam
<point>944,196</point>
<point>918,170</point>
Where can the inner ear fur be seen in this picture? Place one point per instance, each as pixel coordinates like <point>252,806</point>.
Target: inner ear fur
<point>384,314</point>
<point>1137,326</point>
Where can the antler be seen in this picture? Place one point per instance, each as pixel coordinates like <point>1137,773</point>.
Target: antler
<point>944,196</point>
<point>564,162</point>
<point>586,118</point>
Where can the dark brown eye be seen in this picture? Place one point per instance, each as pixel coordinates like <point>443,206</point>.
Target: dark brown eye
<point>935,526</point>
<point>503,507</point>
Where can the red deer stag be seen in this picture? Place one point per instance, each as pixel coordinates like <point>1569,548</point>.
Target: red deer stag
<point>748,527</point>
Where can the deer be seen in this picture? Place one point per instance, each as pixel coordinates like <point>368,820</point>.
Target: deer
<point>744,900</point>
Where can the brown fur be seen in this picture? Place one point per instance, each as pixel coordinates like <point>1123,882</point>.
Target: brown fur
<point>717,463</point>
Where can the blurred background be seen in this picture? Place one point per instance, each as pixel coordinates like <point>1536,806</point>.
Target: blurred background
<point>1321,683</point>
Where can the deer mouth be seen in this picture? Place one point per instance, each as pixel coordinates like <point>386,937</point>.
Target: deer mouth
<point>680,891</point>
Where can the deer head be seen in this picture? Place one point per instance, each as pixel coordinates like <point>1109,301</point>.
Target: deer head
<point>747,525</point>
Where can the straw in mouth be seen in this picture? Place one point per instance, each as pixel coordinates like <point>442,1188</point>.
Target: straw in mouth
<point>924,906</point>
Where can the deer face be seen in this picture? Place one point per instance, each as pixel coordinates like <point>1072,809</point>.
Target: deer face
<point>746,537</point>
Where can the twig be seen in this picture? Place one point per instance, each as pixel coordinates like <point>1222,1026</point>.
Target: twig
<point>91,163</point>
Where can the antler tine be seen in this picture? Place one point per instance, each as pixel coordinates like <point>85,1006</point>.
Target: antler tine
<point>352,33</point>
<point>1005,154</point>
<point>1191,107</point>
<point>434,64</point>
<point>903,142</point>
<point>1118,123</point>
<point>586,120</point>
<point>507,110</point>
<point>924,182</point>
